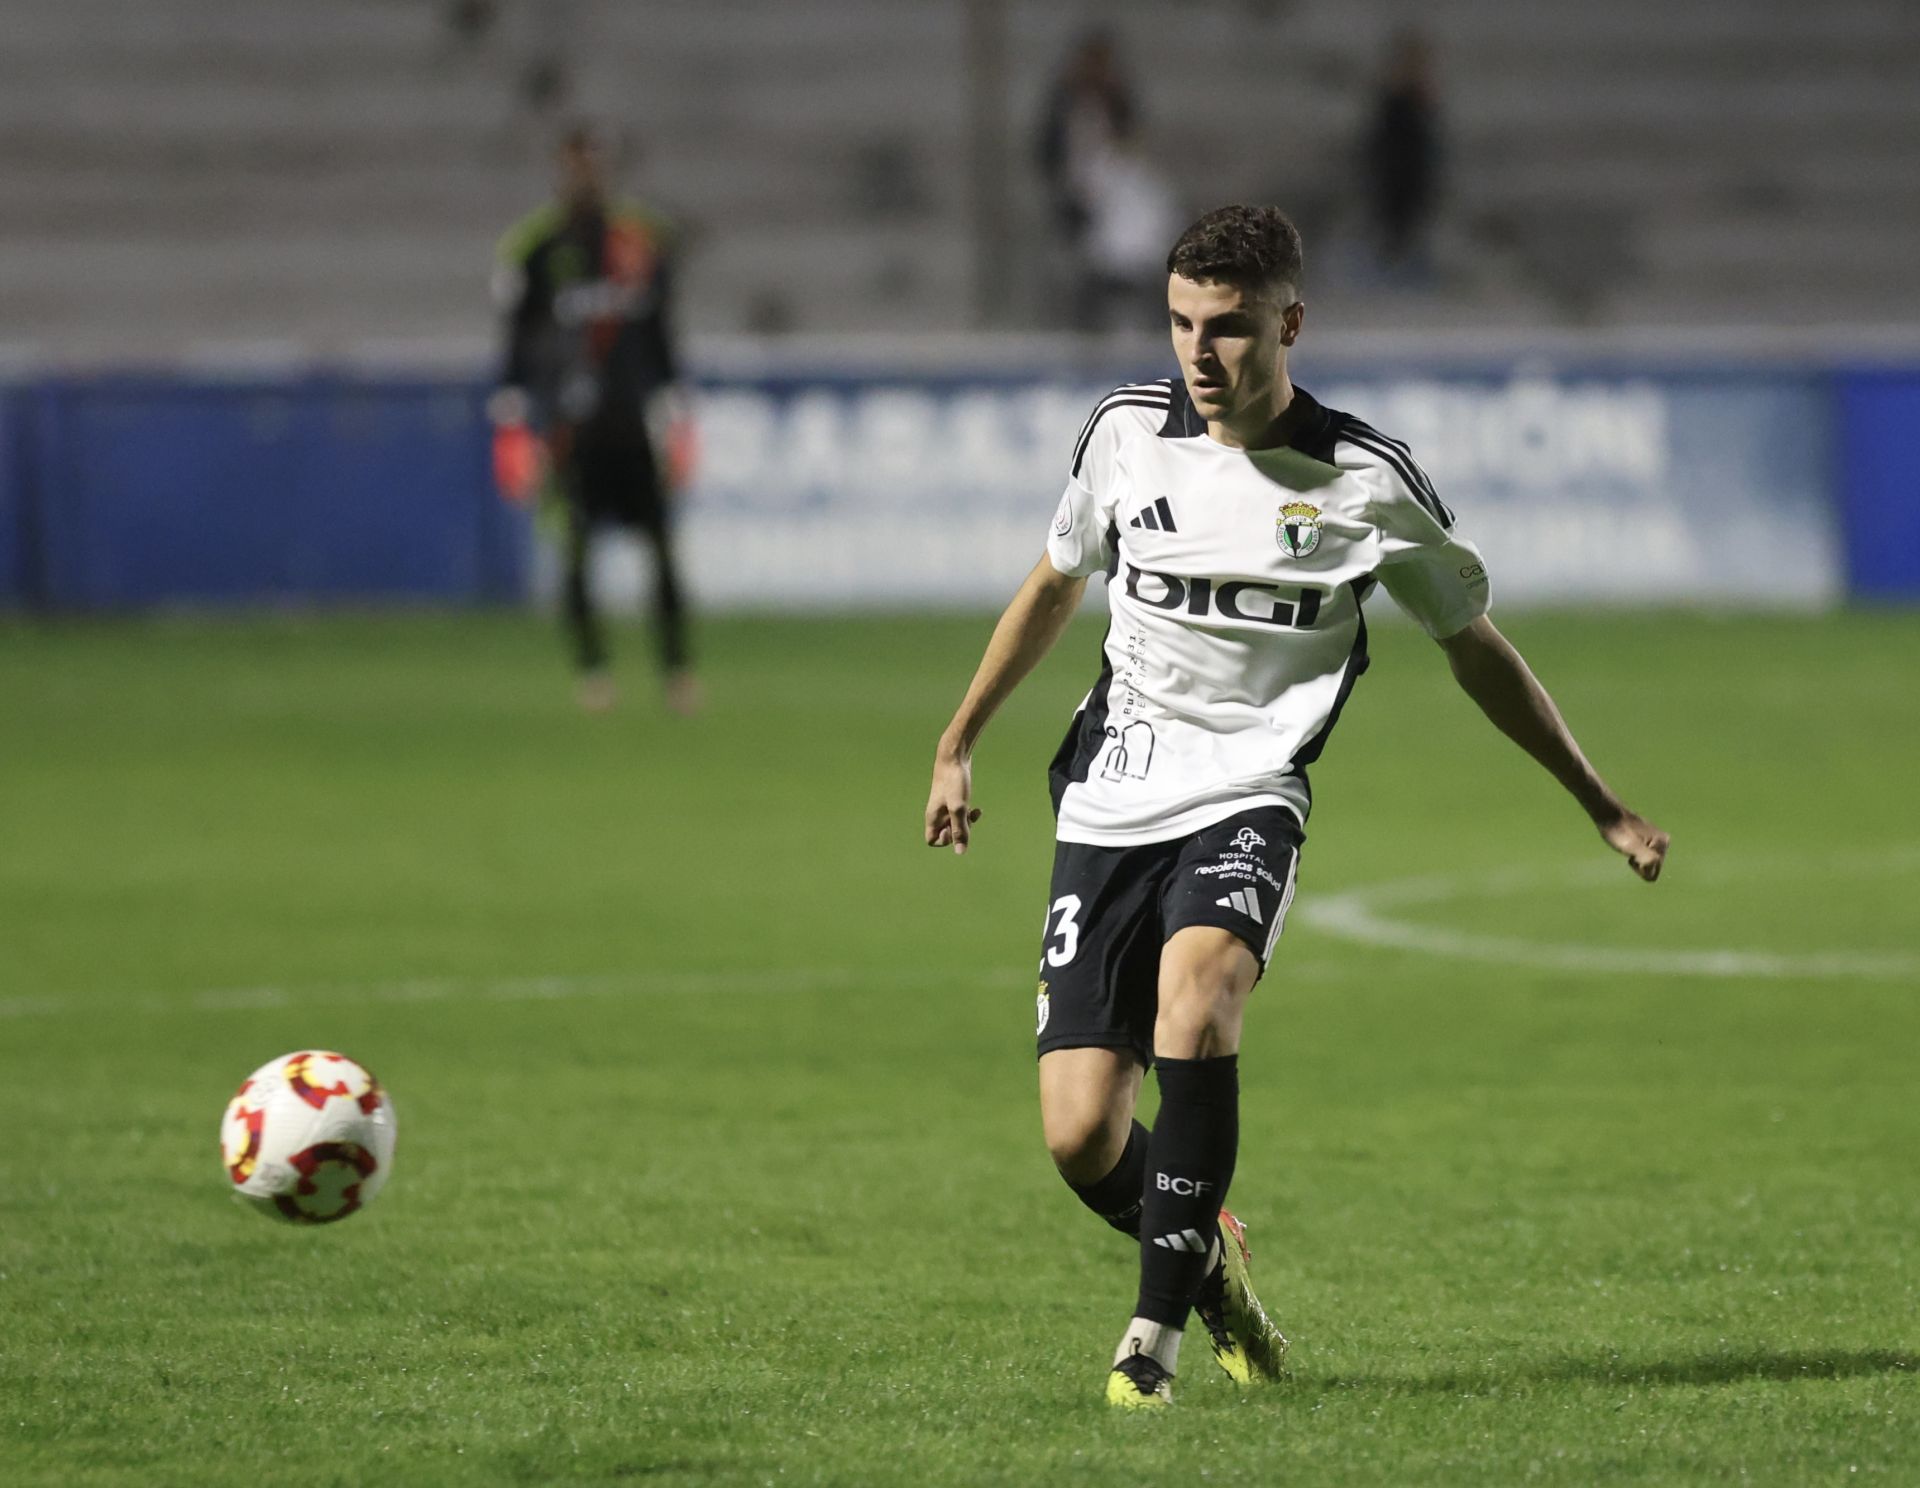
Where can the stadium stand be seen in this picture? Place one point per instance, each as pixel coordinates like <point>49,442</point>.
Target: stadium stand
<point>324,177</point>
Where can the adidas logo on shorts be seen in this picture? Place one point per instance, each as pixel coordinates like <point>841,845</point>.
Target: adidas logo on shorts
<point>1246,901</point>
<point>1187,1240</point>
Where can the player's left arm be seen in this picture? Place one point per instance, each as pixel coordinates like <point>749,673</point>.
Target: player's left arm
<point>1497,677</point>
<point>519,455</point>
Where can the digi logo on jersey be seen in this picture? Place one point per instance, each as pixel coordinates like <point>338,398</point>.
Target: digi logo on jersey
<point>1236,599</point>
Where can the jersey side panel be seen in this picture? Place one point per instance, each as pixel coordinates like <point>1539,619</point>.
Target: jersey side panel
<point>1083,542</point>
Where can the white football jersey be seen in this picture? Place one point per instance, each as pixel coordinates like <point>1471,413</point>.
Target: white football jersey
<point>1236,580</point>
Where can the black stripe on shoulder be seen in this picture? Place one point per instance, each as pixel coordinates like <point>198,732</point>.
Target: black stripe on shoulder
<point>1400,458</point>
<point>1405,449</point>
<point>1125,390</point>
<point>1388,448</point>
<point>1147,395</point>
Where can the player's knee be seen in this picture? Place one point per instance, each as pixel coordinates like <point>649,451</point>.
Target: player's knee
<point>1200,995</point>
<point>1084,1144</point>
<point>1191,1019</point>
<point>1202,1003</point>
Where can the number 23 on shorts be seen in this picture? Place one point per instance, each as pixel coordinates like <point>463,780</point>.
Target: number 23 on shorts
<point>1063,929</point>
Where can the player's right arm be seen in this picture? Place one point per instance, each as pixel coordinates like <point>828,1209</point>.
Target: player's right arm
<point>1026,632</point>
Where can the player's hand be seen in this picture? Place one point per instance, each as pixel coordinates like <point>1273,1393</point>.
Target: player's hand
<point>682,453</point>
<point>1639,841</point>
<point>950,812</point>
<point>676,437</point>
<point>519,463</point>
<point>519,459</point>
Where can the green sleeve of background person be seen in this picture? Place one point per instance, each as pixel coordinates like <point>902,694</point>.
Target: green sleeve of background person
<point>517,243</point>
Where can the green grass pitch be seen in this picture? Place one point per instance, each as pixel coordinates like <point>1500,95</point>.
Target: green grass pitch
<point>718,1154</point>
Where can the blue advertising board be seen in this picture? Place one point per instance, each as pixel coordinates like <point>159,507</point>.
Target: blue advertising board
<point>832,488</point>
<point>1630,489</point>
<point>16,531</point>
<point>164,490</point>
<point>1880,483</point>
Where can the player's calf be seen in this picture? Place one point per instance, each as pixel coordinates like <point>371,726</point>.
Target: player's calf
<point>1190,1162</point>
<point>1087,1097</point>
<point>1116,1196</point>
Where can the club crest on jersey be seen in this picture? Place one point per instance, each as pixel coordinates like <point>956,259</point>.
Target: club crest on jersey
<point>1297,528</point>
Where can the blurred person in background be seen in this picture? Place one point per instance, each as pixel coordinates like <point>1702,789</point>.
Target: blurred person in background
<point>1131,214</point>
<point>1090,113</point>
<point>589,407</point>
<point>1404,151</point>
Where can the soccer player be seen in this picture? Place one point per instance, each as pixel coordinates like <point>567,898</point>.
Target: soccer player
<point>1242,526</point>
<point>590,389</point>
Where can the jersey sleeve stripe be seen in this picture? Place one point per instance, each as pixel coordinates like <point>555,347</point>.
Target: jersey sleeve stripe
<point>1387,444</point>
<point>1405,467</point>
<point>1160,405</point>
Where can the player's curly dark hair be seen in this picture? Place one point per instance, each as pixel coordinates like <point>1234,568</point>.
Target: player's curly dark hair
<point>1256,248</point>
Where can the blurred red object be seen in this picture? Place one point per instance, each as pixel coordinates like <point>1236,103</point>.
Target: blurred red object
<point>519,462</point>
<point>683,452</point>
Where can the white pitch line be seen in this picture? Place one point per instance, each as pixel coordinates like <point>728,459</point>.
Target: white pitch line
<point>30,1007</point>
<point>787,980</point>
<point>519,989</point>
<point>1357,916</point>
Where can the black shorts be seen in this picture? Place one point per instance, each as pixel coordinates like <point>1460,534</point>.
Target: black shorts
<point>1110,910</point>
<point>612,478</point>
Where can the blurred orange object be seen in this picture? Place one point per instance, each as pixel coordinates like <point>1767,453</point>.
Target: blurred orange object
<point>519,462</point>
<point>683,452</point>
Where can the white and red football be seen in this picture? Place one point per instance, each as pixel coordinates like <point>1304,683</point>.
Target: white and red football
<point>308,1137</point>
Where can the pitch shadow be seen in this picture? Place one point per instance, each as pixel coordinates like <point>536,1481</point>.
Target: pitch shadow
<point>1703,1369</point>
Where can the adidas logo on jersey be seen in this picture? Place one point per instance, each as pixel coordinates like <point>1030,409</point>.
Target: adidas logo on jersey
<point>1246,901</point>
<point>1155,518</point>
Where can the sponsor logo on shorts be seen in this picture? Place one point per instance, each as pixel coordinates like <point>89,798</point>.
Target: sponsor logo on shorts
<point>1241,867</point>
<point>1246,839</point>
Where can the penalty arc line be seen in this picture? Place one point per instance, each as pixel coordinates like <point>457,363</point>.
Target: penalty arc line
<point>1359,916</point>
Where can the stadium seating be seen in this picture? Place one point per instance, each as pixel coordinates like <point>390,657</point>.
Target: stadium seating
<point>331,177</point>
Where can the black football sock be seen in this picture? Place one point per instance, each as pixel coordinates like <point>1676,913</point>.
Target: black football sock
<point>1116,1197</point>
<point>583,622</point>
<point>1190,1158</point>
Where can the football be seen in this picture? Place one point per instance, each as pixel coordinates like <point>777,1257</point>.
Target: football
<point>308,1138</point>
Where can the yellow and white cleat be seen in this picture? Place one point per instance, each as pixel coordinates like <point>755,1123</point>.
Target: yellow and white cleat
<point>1245,1342</point>
<point>1138,1382</point>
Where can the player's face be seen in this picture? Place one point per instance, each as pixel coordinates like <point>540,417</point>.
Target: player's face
<point>1232,344</point>
<point>582,172</point>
